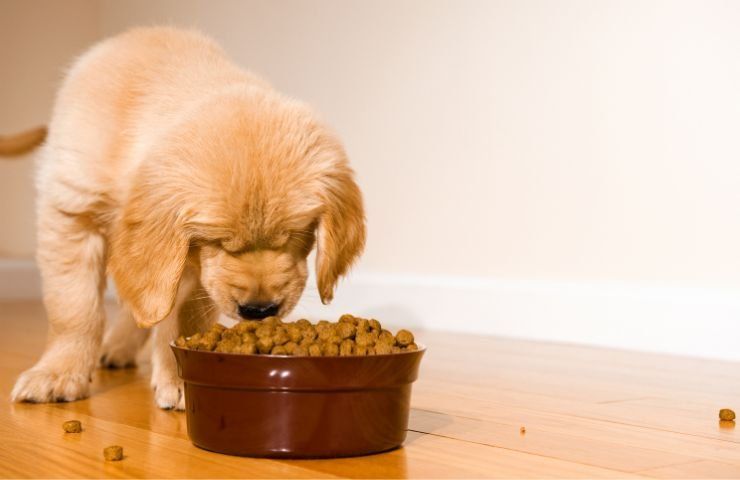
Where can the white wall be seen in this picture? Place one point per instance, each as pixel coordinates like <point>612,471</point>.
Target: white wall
<point>569,169</point>
<point>582,140</point>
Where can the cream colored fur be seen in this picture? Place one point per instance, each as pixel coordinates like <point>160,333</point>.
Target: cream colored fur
<point>194,185</point>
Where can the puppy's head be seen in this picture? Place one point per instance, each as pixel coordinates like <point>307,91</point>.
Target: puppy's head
<point>240,192</point>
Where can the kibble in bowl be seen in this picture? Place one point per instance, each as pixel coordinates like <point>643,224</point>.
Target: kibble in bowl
<point>350,336</point>
<point>297,389</point>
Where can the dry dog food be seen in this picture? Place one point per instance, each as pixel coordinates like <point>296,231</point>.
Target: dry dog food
<point>113,453</point>
<point>726,414</point>
<point>72,426</point>
<point>350,336</point>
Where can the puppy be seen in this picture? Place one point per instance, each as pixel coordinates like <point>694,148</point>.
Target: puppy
<point>197,187</point>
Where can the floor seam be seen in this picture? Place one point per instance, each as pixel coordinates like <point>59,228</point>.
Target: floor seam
<point>647,470</point>
<point>642,427</point>
<point>528,453</point>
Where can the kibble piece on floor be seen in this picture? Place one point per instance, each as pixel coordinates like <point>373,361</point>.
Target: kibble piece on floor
<point>72,426</point>
<point>113,453</point>
<point>522,430</point>
<point>726,414</point>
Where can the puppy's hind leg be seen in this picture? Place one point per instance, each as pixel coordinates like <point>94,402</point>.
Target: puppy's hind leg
<point>71,256</point>
<point>122,342</point>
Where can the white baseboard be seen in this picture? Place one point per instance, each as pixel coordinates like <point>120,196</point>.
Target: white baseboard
<point>685,321</point>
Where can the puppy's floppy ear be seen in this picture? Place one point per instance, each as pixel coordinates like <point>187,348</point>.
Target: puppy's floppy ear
<point>341,230</point>
<point>148,251</point>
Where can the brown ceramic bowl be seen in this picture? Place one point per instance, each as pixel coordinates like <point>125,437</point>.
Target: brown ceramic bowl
<point>297,407</point>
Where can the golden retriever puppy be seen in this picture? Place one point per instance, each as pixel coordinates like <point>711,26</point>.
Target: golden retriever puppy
<point>197,187</point>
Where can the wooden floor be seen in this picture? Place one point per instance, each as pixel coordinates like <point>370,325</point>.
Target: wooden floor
<point>588,413</point>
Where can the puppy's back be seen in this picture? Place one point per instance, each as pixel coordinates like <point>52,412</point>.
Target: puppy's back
<point>122,94</point>
<point>146,74</point>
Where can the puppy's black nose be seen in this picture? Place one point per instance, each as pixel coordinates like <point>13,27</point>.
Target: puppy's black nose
<point>258,311</point>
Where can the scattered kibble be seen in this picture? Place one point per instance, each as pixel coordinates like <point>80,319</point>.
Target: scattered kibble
<point>726,414</point>
<point>522,430</point>
<point>113,453</point>
<point>72,426</point>
<point>350,336</point>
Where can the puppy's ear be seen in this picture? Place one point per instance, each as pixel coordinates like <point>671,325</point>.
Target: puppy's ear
<point>341,230</point>
<point>147,256</point>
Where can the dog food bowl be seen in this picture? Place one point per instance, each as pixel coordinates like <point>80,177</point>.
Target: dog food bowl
<point>297,407</point>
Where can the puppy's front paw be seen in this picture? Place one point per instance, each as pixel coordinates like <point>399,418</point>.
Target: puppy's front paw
<point>41,385</point>
<point>170,395</point>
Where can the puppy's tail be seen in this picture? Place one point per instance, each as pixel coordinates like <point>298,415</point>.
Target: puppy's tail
<point>20,143</point>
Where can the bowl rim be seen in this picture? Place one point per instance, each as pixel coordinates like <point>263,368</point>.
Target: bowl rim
<point>421,348</point>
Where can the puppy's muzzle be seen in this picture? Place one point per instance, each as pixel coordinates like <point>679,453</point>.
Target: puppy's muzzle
<point>258,311</point>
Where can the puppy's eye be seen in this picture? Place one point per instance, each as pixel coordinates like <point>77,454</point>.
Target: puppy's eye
<point>203,242</point>
<point>234,246</point>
